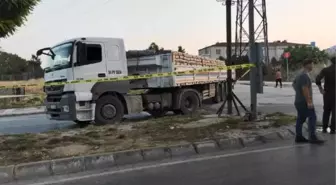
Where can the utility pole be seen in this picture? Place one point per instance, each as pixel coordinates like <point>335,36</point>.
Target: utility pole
<point>253,60</point>
<point>258,53</point>
<point>260,32</point>
<point>229,61</point>
<point>228,51</point>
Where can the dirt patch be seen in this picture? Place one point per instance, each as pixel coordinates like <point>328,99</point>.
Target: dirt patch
<point>164,131</point>
<point>68,151</point>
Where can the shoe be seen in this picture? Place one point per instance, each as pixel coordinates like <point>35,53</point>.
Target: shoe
<point>324,131</point>
<point>332,132</point>
<point>315,140</point>
<point>301,139</point>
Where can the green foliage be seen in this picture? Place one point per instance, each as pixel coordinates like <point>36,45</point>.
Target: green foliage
<point>13,14</point>
<point>181,49</point>
<point>12,64</point>
<point>300,53</point>
<point>153,46</point>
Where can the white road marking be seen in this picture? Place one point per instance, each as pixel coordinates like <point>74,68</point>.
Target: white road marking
<point>60,181</point>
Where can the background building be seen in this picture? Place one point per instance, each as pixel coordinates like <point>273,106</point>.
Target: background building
<point>276,49</point>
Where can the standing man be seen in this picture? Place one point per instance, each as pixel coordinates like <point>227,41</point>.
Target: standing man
<point>278,78</point>
<point>304,104</point>
<point>328,92</point>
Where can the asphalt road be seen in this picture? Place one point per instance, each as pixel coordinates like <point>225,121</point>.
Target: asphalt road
<point>275,164</point>
<point>273,100</point>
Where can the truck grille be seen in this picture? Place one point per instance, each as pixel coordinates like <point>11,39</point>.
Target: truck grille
<point>54,89</point>
<point>54,98</point>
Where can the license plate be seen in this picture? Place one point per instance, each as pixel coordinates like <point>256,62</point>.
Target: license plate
<point>53,106</point>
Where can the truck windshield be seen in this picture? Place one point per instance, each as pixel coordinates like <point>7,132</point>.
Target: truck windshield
<point>62,59</point>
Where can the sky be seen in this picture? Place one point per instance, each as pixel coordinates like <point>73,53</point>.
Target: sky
<point>193,24</point>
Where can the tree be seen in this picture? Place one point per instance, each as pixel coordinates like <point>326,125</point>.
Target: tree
<point>300,53</point>
<point>180,49</point>
<point>154,47</point>
<point>13,14</point>
<point>11,65</point>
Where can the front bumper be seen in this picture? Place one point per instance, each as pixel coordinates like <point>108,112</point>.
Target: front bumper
<point>62,107</point>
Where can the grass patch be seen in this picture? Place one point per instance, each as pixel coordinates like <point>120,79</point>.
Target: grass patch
<point>99,139</point>
<point>22,102</point>
<point>280,119</point>
<point>36,92</point>
<point>29,90</point>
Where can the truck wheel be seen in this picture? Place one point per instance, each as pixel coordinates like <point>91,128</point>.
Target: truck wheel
<point>189,103</point>
<point>109,110</point>
<point>218,97</point>
<point>157,113</point>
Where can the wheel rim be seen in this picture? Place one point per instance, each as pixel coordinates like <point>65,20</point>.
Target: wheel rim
<point>108,111</point>
<point>188,103</point>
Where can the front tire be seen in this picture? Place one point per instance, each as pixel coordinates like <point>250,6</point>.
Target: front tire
<point>109,110</point>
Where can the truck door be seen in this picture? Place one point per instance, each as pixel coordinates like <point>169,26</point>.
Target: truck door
<point>116,60</point>
<point>94,66</point>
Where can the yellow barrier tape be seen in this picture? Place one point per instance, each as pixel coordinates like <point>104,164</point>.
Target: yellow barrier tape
<point>134,77</point>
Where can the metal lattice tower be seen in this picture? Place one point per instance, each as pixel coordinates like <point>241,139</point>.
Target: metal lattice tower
<point>242,27</point>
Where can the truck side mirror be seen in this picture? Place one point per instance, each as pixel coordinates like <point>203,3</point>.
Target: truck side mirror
<point>81,53</point>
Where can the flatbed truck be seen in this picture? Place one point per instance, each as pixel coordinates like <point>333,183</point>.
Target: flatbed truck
<point>107,102</point>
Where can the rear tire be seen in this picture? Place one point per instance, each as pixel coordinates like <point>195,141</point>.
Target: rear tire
<point>109,110</point>
<point>189,103</point>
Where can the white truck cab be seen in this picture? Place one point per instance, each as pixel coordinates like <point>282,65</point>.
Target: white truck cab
<point>107,102</point>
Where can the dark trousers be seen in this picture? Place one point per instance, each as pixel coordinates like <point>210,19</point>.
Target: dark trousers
<point>329,108</point>
<point>278,81</point>
<point>303,112</point>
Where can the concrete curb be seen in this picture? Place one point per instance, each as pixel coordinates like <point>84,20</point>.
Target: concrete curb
<point>29,171</point>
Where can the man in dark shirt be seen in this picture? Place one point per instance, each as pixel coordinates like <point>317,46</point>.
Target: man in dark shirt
<point>328,92</point>
<point>304,104</point>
